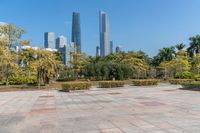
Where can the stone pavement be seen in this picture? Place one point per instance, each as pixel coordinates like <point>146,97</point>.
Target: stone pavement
<point>161,109</point>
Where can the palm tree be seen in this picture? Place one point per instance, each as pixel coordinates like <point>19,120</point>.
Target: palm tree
<point>194,45</point>
<point>167,53</point>
<point>180,46</point>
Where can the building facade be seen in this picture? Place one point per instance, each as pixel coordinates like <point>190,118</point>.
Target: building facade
<point>111,47</point>
<point>61,41</point>
<point>49,40</point>
<point>97,51</point>
<point>118,49</point>
<point>104,29</point>
<point>76,31</point>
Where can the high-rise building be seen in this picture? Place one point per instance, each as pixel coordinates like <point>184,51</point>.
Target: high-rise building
<point>97,51</point>
<point>61,41</point>
<point>49,40</point>
<point>76,31</point>
<point>118,49</point>
<point>104,29</point>
<point>111,47</point>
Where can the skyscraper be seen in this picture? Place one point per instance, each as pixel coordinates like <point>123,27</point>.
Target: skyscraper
<point>97,51</point>
<point>104,29</point>
<point>111,47</point>
<point>118,49</point>
<point>76,31</point>
<point>49,40</point>
<point>61,41</point>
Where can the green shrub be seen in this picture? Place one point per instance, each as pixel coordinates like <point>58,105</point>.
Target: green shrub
<point>192,85</point>
<point>145,82</point>
<point>180,81</point>
<point>31,80</point>
<point>63,79</point>
<point>185,75</point>
<point>76,86</point>
<point>111,84</point>
<point>23,80</point>
<point>17,80</point>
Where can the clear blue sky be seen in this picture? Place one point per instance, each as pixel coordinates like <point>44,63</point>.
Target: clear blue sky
<point>136,24</point>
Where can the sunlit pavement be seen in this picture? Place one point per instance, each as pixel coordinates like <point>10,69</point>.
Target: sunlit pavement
<point>160,109</point>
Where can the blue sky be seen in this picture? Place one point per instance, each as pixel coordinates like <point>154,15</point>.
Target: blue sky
<point>146,25</point>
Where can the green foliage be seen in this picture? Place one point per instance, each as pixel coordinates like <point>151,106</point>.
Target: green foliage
<point>107,71</point>
<point>17,80</point>
<point>192,85</point>
<point>76,86</point>
<point>165,54</point>
<point>180,81</point>
<point>32,80</point>
<point>145,82</point>
<point>111,84</point>
<point>184,75</point>
<point>194,47</point>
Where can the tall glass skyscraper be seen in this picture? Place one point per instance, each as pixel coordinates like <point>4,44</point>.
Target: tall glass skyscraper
<point>76,31</point>
<point>49,40</point>
<point>104,29</point>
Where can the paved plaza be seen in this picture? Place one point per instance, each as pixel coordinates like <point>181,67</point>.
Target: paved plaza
<point>161,109</point>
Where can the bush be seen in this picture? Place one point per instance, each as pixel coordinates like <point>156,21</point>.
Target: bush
<point>180,81</point>
<point>63,79</point>
<point>76,86</point>
<point>23,80</point>
<point>31,80</point>
<point>17,80</point>
<point>185,75</point>
<point>192,85</point>
<point>145,82</point>
<point>111,84</point>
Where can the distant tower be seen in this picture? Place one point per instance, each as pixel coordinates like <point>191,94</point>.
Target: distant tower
<point>111,47</point>
<point>61,41</point>
<point>97,51</point>
<point>76,31</point>
<point>49,40</point>
<point>118,49</point>
<point>104,29</point>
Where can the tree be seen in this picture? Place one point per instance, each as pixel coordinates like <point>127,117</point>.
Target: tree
<point>196,64</point>
<point>8,64</point>
<point>181,62</point>
<point>180,46</point>
<point>46,66</point>
<point>12,34</point>
<point>194,47</point>
<point>165,54</point>
<point>78,63</point>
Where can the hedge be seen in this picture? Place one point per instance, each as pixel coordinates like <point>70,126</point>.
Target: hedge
<point>111,84</point>
<point>145,82</point>
<point>76,86</point>
<point>192,85</point>
<point>22,80</point>
<point>184,75</point>
<point>180,81</point>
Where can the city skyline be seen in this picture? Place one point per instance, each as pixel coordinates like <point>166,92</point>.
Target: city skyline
<point>135,24</point>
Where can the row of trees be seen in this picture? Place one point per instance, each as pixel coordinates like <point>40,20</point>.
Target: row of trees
<point>40,66</point>
<point>26,65</point>
<point>168,63</point>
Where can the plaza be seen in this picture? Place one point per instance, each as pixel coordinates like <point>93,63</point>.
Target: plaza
<point>159,109</point>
